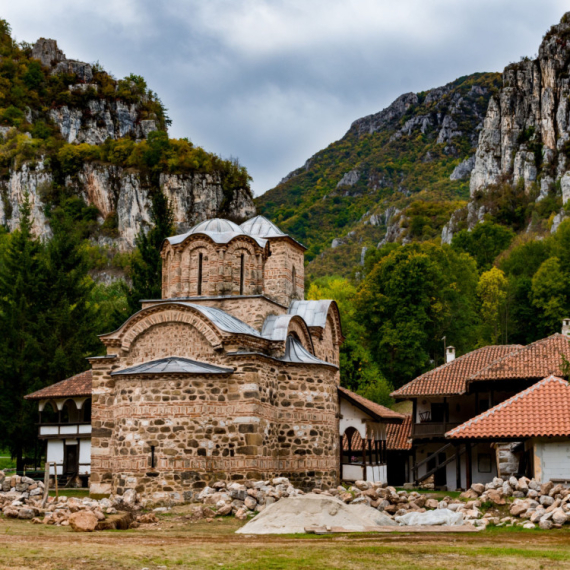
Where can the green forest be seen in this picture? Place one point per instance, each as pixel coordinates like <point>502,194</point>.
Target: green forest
<point>490,286</point>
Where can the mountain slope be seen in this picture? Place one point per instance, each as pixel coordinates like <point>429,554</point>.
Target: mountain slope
<point>417,152</point>
<point>69,131</point>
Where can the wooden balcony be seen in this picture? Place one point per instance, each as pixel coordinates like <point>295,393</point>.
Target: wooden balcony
<point>432,429</point>
<point>64,430</point>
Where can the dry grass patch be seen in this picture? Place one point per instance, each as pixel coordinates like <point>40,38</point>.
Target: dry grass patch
<point>178,543</point>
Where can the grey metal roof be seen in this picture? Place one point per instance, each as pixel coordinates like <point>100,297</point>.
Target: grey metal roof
<point>262,227</point>
<point>297,353</point>
<point>275,327</point>
<point>218,229</point>
<point>313,312</point>
<point>224,321</point>
<point>173,365</point>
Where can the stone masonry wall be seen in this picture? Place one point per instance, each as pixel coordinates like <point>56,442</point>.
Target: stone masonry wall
<point>221,268</point>
<point>278,272</point>
<point>267,419</point>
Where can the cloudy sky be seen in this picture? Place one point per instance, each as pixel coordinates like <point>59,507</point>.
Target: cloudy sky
<point>274,81</point>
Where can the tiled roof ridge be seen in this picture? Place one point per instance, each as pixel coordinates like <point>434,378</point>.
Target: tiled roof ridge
<point>72,389</point>
<point>365,402</point>
<point>528,347</point>
<point>465,356</point>
<point>506,403</point>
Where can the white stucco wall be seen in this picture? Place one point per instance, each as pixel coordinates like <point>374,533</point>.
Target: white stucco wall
<point>351,416</point>
<point>551,460</point>
<point>55,454</point>
<point>84,456</point>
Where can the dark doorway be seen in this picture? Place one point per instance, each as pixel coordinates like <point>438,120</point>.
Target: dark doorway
<point>438,412</point>
<point>71,459</point>
<point>396,467</point>
<point>440,476</point>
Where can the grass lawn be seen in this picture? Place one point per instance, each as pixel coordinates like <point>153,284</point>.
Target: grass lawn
<point>179,543</point>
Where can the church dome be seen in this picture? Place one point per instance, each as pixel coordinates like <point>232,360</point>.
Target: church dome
<point>219,230</point>
<point>216,226</point>
<point>262,227</point>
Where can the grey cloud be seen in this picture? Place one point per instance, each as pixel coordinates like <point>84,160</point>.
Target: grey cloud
<point>272,82</point>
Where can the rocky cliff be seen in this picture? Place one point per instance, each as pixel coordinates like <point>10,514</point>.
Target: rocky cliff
<point>123,194</point>
<point>74,130</point>
<point>525,140</point>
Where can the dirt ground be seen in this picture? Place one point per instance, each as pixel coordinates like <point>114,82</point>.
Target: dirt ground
<point>178,542</point>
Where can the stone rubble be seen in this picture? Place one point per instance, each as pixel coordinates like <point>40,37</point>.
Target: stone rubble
<point>529,503</point>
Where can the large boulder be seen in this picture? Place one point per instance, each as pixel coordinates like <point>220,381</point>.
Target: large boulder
<point>496,497</point>
<point>479,488</point>
<point>559,516</point>
<point>83,521</point>
<point>292,515</point>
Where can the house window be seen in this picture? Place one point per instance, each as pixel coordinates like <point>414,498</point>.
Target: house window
<point>200,257</point>
<point>152,457</point>
<point>484,463</point>
<point>241,273</point>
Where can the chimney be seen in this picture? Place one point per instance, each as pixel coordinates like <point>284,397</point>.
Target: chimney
<point>450,351</point>
<point>566,327</point>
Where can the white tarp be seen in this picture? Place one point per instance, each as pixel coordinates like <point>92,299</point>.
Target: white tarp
<point>432,518</point>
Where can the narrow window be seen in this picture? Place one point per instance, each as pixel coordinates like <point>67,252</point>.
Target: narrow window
<point>294,279</point>
<point>200,274</point>
<point>152,456</point>
<point>241,270</point>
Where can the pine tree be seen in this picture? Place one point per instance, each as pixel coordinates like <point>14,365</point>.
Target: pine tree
<point>22,321</point>
<point>147,266</point>
<point>71,317</point>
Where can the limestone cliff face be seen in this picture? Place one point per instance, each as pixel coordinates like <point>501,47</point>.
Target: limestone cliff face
<point>125,194</point>
<point>102,118</point>
<point>98,108</point>
<point>531,112</point>
<point>525,137</point>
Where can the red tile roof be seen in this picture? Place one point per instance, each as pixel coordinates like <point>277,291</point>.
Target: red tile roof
<point>375,410</point>
<point>543,410</point>
<point>398,435</point>
<point>78,385</point>
<point>450,378</point>
<point>535,361</point>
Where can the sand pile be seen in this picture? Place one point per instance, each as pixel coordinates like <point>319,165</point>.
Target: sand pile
<point>292,515</point>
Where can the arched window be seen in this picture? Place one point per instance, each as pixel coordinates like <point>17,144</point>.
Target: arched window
<point>69,412</point>
<point>200,259</point>
<point>87,410</point>
<point>294,280</point>
<point>49,415</point>
<point>241,273</point>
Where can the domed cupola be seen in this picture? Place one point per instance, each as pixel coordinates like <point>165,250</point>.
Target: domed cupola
<point>216,226</point>
<point>262,227</point>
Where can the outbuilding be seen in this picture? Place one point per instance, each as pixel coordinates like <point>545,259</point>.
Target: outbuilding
<point>363,431</point>
<point>65,425</point>
<point>540,418</point>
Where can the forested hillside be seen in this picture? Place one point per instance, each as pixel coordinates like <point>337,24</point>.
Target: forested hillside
<point>417,153</point>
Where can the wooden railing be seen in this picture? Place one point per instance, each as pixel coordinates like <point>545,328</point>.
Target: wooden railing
<point>432,429</point>
<point>64,429</point>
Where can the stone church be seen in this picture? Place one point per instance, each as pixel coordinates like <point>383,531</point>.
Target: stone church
<point>230,375</point>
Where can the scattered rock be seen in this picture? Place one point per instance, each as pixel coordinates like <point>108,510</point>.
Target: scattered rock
<point>83,521</point>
